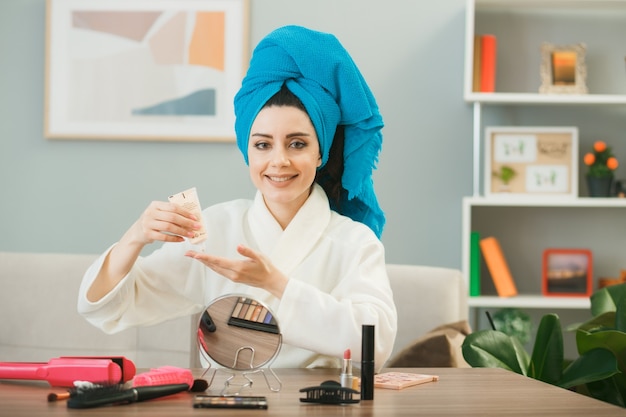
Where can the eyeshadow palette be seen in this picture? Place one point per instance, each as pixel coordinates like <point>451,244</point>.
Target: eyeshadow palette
<point>215,401</point>
<point>249,314</point>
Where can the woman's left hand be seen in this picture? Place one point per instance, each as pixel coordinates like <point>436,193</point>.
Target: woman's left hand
<point>256,270</point>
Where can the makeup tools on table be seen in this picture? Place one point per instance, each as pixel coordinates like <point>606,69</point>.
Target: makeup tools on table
<point>58,396</point>
<point>101,395</point>
<point>401,380</point>
<point>329,392</point>
<point>346,370</point>
<point>367,362</point>
<point>165,375</point>
<point>126,365</point>
<point>63,371</point>
<point>333,392</point>
<point>227,401</point>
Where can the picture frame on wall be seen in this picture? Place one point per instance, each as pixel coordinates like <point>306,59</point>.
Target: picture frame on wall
<point>531,162</point>
<point>563,69</point>
<point>567,272</point>
<point>144,69</point>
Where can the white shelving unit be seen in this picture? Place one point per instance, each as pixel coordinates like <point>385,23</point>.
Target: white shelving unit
<point>530,301</point>
<point>525,20</point>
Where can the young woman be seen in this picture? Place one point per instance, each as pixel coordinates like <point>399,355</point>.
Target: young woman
<point>307,245</point>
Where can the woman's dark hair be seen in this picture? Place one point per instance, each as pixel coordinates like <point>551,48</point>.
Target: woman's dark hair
<point>329,176</point>
<point>285,97</point>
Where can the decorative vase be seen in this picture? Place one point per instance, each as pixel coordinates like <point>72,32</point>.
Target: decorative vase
<point>599,187</point>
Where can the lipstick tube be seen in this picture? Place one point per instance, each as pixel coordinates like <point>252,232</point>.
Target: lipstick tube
<point>346,370</point>
<point>367,362</point>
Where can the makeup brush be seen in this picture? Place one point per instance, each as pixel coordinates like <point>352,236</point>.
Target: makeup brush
<point>119,394</point>
<point>58,396</point>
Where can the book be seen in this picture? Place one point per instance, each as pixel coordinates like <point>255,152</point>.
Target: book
<point>498,267</point>
<point>474,276</point>
<point>476,64</point>
<point>487,63</point>
<point>401,380</point>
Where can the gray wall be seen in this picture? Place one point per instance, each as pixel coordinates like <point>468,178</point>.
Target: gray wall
<point>81,195</point>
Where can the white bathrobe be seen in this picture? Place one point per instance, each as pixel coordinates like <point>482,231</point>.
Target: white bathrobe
<point>335,266</point>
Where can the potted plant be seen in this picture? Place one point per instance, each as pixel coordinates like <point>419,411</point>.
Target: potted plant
<point>505,174</point>
<point>600,369</point>
<point>514,322</point>
<point>602,164</point>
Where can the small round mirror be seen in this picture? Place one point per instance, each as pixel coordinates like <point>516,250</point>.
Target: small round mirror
<point>238,333</point>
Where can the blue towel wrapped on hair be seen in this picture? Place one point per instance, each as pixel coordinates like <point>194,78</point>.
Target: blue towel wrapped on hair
<point>319,71</point>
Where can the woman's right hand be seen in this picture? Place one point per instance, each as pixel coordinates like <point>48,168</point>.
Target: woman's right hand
<point>166,222</point>
<point>161,221</point>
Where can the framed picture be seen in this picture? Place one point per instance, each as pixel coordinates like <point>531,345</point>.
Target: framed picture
<point>563,69</point>
<point>531,161</point>
<point>144,69</point>
<point>567,272</point>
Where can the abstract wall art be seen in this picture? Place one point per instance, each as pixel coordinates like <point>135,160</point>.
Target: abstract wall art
<point>144,69</point>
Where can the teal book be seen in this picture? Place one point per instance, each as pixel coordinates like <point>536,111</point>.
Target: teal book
<point>474,269</point>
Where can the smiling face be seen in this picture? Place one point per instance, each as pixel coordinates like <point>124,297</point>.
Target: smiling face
<point>283,154</point>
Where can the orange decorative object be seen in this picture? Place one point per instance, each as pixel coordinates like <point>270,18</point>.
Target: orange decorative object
<point>599,146</point>
<point>607,282</point>
<point>589,159</point>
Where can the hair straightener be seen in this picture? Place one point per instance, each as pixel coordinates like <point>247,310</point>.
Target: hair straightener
<point>63,371</point>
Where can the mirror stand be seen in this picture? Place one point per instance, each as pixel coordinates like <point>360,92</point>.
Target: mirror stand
<point>246,375</point>
<point>239,336</point>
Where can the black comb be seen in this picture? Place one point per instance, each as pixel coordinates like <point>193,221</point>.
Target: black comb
<point>101,395</point>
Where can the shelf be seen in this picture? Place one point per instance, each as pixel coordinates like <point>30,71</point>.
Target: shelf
<point>528,224</point>
<point>539,201</point>
<point>521,26</point>
<point>542,5</point>
<point>536,98</point>
<point>530,301</point>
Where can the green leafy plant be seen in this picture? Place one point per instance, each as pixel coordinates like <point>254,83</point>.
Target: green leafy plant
<point>505,174</point>
<point>513,322</point>
<point>600,369</point>
<point>601,161</point>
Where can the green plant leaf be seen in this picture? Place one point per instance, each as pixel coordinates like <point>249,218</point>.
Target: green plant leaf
<point>546,362</point>
<point>620,313</point>
<point>595,365</point>
<point>611,390</point>
<point>599,371</point>
<point>494,349</point>
<point>612,341</point>
<point>607,299</point>
<point>604,321</point>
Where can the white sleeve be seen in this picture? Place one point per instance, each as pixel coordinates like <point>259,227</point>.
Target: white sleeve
<point>156,289</point>
<point>331,322</point>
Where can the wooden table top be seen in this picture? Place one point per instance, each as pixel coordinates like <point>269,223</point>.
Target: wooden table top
<point>459,391</point>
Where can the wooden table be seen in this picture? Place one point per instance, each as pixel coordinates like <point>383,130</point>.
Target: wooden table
<point>462,392</point>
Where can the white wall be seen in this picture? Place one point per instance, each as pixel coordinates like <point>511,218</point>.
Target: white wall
<point>79,196</point>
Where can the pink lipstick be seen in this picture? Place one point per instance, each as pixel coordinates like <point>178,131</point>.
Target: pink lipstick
<point>346,369</point>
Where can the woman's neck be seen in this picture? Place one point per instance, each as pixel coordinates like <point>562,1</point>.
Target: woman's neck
<point>285,212</point>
